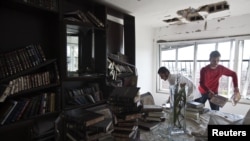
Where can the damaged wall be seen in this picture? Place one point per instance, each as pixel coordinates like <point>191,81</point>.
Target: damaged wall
<point>220,27</point>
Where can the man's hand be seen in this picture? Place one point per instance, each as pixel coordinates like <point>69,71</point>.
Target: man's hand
<point>210,93</point>
<point>236,90</point>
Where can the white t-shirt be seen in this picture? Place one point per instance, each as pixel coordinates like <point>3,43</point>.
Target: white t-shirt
<point>192,92</point>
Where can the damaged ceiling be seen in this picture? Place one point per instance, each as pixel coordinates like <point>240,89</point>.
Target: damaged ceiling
<point>157,13</point>
<point>191,14</point>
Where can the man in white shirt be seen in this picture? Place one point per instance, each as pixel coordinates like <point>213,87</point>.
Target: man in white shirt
<point>182,80</point>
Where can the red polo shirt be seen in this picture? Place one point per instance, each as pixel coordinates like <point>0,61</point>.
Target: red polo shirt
<point>209,78</point>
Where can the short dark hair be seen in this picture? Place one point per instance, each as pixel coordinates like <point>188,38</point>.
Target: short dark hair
<point>214,54</point>
<point>163,70</point>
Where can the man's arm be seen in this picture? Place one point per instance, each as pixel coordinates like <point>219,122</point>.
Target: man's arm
<point>202,80</point>
<point>185,81</point>
<point>232,74</point>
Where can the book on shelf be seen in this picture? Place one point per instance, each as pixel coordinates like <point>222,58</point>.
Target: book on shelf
<point>20,114</point>
<point>10,108</point>
<point>6,92</point>
<point>29,108</point>
<point>15,111</point>
<point>48,4</point>
<point>78,16</point>
<point>5,108</point>
<point>94,19</point>
<point>21,59</point>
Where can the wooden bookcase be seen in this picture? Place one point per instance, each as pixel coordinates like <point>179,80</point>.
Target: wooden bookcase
<point>26,22</point>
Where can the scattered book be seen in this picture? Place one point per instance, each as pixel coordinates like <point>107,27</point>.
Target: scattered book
<point>148,125</point>
<point>123,133</point>
<point>127,117</point>
<point>157,114</point>
<point>194,104</point>
<point>152,108</point>
<point>84,117</point>
<point>192,115</point>
<point>126,128</point>
<point>127,123</point>
<point>125,94</point>
<point>155,118</point>
<point>103,126</point>
<point>219,100</point>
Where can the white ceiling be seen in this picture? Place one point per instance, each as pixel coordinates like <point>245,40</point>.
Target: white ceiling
<point>153,12</point>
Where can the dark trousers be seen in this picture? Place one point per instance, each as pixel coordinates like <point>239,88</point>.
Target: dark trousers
<point>204,98</point>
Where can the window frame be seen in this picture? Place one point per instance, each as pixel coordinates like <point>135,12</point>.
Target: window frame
<point>236,64</point>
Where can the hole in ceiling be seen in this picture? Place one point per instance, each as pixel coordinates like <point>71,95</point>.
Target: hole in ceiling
<point>192,14</point>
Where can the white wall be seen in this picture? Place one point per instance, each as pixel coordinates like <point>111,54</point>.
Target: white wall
<point>144,57</point>
<point>146,49</point>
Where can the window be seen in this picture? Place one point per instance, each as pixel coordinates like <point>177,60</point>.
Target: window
<point>245,70</point>
<point>188,58</point>
<point>72,53</point>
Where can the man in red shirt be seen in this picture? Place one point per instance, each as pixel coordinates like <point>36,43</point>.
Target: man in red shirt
<point>209,79</point>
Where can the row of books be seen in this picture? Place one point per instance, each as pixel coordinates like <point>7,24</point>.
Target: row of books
<point>14,110</point>
<point>49,4</point>
<point>83,17</point>
<point>29,81</point>
<point>19,60</point>
<point>86,95</point>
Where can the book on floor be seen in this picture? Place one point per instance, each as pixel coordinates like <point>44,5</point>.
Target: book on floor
<point>84,117</point>
<point>148,125</point>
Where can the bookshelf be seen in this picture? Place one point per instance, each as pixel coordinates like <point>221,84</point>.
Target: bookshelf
<point>30,91</point>
<point>25,23</point>
<point>33,78</point>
